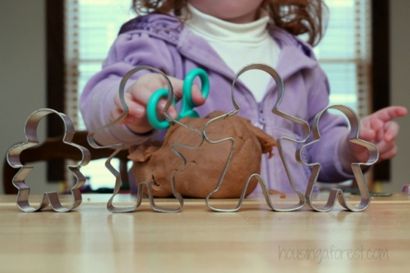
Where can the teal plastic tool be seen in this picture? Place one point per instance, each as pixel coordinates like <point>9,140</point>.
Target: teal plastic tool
<point>187,107</point>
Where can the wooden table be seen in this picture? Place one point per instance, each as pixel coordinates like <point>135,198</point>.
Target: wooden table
<point>255,239</point>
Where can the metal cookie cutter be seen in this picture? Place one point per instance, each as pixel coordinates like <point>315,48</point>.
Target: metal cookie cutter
<point>119,146</point>
<point>275,110</point>
<point>356,166</point>
<point>13,158</point>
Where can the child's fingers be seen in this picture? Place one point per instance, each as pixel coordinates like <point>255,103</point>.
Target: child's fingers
<point>391,130</point>
<point>387,150</point>
<point>145,86</point>
<point>136,119</point>
<point>196,93</point>
<point>142,92</point>
<point>138,111</point>
<point>368,134</point>
<point>148,84</point>
<point>176,86</point>
<point>365,122</point>
<point>390,113</point>
<point>390,154</point>
<point>385,146</point>
<point>171,110</point>
<point>139,125</point>
<point>197,97</point>
<point>138,95</point>
<point>370,129</point>
<point>377,126</point>
<point>116,113</point>
<point>135,109</point>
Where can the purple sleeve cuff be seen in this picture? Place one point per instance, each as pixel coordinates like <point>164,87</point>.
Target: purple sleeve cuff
<point>329,156</point>
<point>101,106</point>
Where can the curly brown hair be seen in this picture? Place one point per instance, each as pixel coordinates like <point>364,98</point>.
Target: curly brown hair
<point>295,16</point>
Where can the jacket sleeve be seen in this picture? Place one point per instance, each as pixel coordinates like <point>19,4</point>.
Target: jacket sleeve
<point>97,100</point>
<point>333,131</point>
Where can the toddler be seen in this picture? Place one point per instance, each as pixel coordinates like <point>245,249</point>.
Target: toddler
<point>222,37</point>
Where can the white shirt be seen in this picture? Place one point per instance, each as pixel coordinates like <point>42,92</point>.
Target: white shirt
<point>239,45</point>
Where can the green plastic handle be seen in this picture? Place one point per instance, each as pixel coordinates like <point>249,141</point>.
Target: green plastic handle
<point>152,109</point>
<point>187,108</point>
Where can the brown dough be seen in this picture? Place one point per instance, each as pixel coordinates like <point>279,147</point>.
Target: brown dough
<point>205,163</point>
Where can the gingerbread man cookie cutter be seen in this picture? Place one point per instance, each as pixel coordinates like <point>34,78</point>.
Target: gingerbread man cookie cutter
<point>256,176</point>
<point>336,193</point>
<point>19,180</point>
<point>148,185</point>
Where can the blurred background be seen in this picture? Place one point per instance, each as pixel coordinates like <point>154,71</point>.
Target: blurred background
<point>50,48</point>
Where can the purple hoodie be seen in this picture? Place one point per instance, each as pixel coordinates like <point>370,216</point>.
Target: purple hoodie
<point>162,41</point>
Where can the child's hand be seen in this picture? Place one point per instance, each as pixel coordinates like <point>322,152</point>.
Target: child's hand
<point>138,95</point>
<point>380,129</point>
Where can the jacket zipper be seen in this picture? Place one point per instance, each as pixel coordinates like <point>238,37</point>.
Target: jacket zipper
<point>261,123</point>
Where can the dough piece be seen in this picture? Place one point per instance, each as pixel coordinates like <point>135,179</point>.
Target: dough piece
<point>204,165</point>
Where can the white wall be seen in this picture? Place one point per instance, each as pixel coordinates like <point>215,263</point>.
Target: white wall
<point>400,86</point>
<point>22,73</point>
<point>22,77</point>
